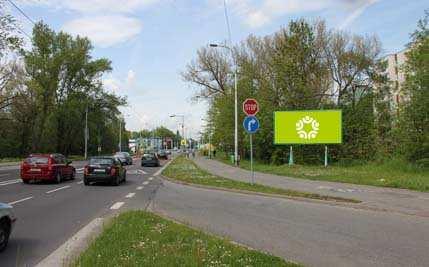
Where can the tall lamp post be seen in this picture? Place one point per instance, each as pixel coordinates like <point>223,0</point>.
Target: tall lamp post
<point>120,131</point>
<point>235,103</point>
<point>183,123</point>
<point>209,126</point>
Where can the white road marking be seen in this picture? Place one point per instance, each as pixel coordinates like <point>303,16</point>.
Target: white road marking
<point>130,195</point>
<point>145,183</point>
<point>80,170</point>
<point>150,178</point>
<point>160,170</point>
<point>4,174</point>
<point>18,201</point>
<point>8,182</point>
<point>140,188</point>
<point>81,182</point>
<point>117,205</point>
<point>61,188</point>
<point>142,172</point>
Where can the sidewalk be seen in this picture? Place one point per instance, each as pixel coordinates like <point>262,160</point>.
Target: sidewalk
<point>375,198</point>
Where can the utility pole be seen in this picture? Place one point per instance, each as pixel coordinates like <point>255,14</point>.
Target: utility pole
<point>120,134</point>
<point>86,132</point>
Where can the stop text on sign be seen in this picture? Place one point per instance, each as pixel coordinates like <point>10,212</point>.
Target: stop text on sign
<point>250,107</point>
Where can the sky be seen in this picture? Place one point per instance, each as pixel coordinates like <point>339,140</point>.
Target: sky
<point>150,41</point>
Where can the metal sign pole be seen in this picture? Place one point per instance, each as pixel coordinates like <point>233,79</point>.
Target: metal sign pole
<point>251,159</point>
<point>290,156</point>
<point>326,156</point>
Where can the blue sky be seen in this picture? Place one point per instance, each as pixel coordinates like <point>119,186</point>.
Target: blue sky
<point>151,41</point>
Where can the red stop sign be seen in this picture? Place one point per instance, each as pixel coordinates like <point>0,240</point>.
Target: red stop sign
<point>250,107</point>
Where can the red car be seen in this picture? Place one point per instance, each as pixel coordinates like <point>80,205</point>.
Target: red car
<point>52,167</point>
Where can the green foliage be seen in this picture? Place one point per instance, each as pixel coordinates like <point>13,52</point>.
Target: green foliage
<point>414,120</point>
<point>302,66</point>
<point>60,82</point>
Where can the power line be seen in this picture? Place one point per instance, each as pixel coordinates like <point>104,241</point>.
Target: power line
<point>21,11</point>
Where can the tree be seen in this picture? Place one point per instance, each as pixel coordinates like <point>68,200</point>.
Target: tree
<point>414,125</point>
<point>10,44</point>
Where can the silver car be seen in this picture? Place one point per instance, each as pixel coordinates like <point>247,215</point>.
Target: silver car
<point>7,219</point>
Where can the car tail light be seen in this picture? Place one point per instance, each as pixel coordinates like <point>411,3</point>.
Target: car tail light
<point>50,164</point>
<point>86,170</point>
<point>112,171</point>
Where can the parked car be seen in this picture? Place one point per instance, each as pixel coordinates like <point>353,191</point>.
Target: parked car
<point>150,159</point>
<point>162,154</point>
<point>104,169</point>
<point>124,157</point>
<point>52,167</point>
<point>7,220</point>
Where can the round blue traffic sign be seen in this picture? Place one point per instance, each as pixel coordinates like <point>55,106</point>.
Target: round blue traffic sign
<point>251,124</point>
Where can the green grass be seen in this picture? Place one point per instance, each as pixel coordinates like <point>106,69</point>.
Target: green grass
<point>392,173</point>
<point>184,170</point>
<point>139,238</point>
<point>10,160</point>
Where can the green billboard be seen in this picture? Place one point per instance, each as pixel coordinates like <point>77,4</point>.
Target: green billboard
<point>307,127</point>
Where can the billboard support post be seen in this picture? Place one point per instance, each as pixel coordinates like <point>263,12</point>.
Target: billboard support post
<point>326,156</point>
<point>290,156</point>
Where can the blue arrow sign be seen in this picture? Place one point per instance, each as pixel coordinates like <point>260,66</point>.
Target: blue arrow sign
<point>251,124</point>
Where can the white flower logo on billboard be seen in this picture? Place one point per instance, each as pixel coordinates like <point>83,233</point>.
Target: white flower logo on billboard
<point>306,132</point>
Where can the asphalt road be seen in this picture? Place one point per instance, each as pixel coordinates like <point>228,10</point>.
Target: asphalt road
<point>314,234</point>
<point>49,214</point>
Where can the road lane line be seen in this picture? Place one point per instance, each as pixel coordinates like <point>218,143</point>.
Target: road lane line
<point>142,172</point>
<point>130,195</point>
<point>8,182</point>
<point>150,178</point>
<point>81,182</point>
<point>18,201</point>
<point>145,183</point>
<point>61,188</point>
<point>140,188</point>
<point>117,205</point>
<point>4,174</point>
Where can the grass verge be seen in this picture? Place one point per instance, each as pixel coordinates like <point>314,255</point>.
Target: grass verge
<point>393,173</point>
<point>184,170</point>
<point>139,238</point>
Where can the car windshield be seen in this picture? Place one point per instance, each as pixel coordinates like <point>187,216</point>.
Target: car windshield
<point>101,161</point>
<point>37,160</point>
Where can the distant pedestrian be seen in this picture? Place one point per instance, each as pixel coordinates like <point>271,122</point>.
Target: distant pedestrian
<point>214,153</point>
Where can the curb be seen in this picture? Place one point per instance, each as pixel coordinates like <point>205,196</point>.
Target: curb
<point>65,254</point>
<point>245,192</point>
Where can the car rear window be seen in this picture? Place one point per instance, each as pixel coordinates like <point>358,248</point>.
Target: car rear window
<point>148,156</point>
<point>101,161</point>
<point>37,160</point>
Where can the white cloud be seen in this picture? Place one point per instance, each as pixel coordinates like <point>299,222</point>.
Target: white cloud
<point>94,6</point>
<point>257,13</point>
<point>121,86</point>
<point>105,31</point>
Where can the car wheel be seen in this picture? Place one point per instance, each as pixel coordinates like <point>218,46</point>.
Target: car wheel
<point>4,234</point>
<point>26,181</point>
<point>116,181</point>
<point>58,178</point>
<point>73,175</point>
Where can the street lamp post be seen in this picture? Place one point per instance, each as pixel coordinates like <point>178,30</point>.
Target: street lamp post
<point>183,123</point>
<point>235,103</point>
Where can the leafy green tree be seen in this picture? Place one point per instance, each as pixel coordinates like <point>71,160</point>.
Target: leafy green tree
<point>414,125</point>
